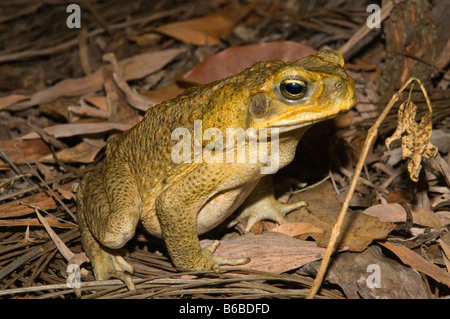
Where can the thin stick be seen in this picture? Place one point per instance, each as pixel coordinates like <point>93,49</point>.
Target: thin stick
<point>373,132</point>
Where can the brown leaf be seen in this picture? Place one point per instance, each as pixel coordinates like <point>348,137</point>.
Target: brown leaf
<point>6,101</point>
<point>146,39</point>
<point>352,273</point>
<point>416,142</point>
<point>236,59</point>
<point>296,229</point>
<point>118,108</point>
<point>395,213</point>
<point>72,129</point>
<point>141,65</point>
<point>13,209</point>
<point>410,258</point>
<point>63,249</point>
<point>441,201</point>
<point>132,68</point>
<point>358,230</point>
<point>78,259</point>
<point>52,221</point>
<point>270,251</point>
<point>98,101</point>
<point>31,150</point>
<point>58,108</point>
<point>446,250</point>
<point>100,108</point>
<point>67,191</point>
<point>164,94</point>
<point>138,101</point>
<point>208,30</point>
<point>84,152</point>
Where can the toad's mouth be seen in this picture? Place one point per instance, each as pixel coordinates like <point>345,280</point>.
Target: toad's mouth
<point>303,116</point>
<point>286,127</point>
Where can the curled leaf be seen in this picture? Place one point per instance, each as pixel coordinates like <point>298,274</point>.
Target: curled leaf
<point>416,136</point>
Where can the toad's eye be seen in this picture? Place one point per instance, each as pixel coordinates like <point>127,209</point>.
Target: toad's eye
<point>293,89</point>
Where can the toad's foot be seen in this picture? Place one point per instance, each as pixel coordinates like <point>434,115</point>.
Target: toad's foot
<point>268,208</point>
<point>216,261</point>
<point>262,204</point>
<point>108,265</point>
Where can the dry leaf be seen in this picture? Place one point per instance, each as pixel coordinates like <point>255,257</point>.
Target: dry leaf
<point>147,39</point>
<point>445,169</point>
<point>83,152</point>
<point>72,129</point>
<point>58,108</point>
<point>395,213</point>
<point>85,110</point>
<point>66,191</point>
<point>416,142</point>
<point>353,272</point>
<point>132,68</point>
<point>31,150</point>
<point>358,230</point>
<point>63,249</point>
<point>78,259</point>
<point>118,108</point>
<point>53,222</point>
<point>270,251</point>
<point>446,249</point>
<point>166,93</point>
<point>98,101</point>
<point>441,201</point>
<point>296,229</point>
<point>235,59</point>
<point>410,258</point>
<point>158,96</point>
<point>138,101</point>
<point>13,209</point>
<point>208,30</point>
<point>6,101</point>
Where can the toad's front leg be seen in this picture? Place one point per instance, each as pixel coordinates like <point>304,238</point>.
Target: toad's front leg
<point>177,209</point>
<point>262,204</point>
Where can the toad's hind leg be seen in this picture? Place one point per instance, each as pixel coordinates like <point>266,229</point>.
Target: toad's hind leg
<point>108,222</point>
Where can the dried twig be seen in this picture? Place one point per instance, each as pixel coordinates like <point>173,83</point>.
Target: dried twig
<point>242,283</point>
<point>32,253</point>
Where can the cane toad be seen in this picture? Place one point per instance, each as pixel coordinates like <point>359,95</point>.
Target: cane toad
<point>155,178</point>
